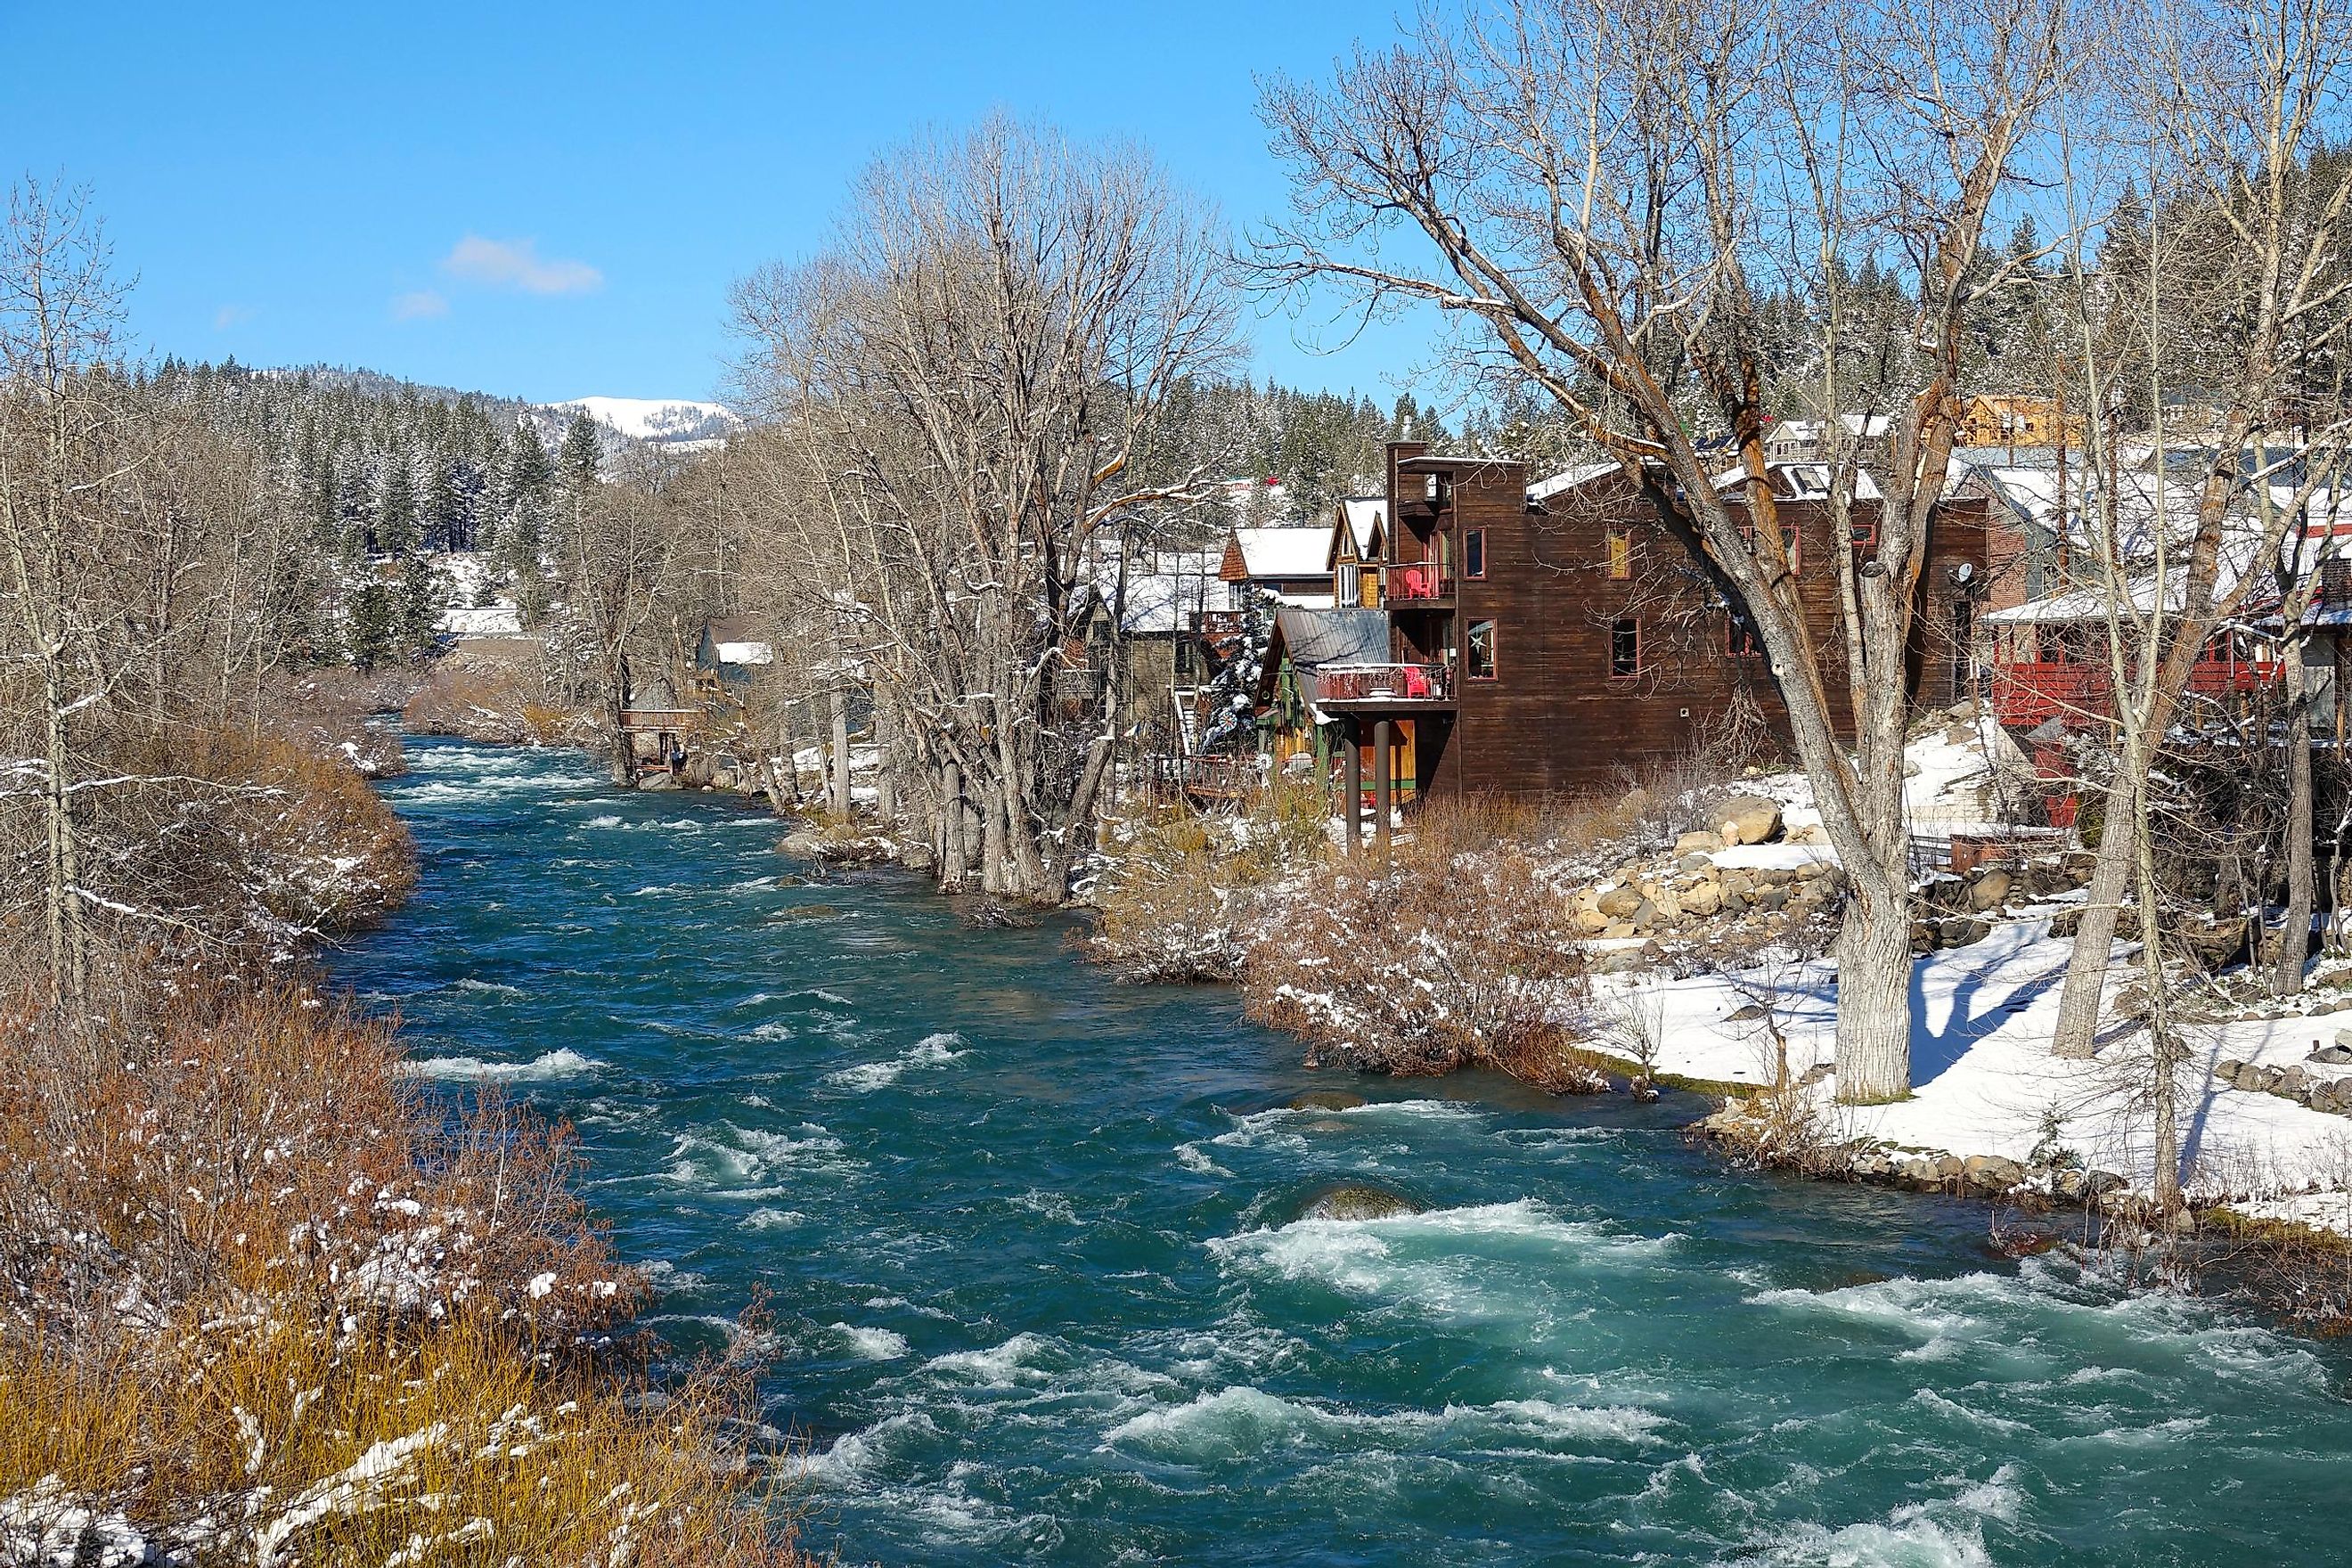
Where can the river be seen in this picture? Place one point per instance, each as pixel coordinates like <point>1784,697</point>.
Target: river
<point>1033,1292</point>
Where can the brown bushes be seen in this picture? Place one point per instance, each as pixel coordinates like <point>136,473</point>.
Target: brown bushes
<point>265,1299</point>
<point>1184,897</point>
<point>1461,954</point>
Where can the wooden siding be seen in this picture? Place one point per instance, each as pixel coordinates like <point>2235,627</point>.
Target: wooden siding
<point>1554,718</point>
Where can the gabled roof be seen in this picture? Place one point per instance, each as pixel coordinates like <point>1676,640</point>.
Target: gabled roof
<point>1801,481</point>
<point>1365,519</point>
<point>1260,555</point>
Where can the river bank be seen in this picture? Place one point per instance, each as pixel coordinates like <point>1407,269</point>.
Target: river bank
<point>1035,1290</point>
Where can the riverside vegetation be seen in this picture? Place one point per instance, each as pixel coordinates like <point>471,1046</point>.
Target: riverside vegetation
<point>263,1300</point>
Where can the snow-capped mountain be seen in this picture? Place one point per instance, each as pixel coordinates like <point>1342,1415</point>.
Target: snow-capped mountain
<point>675,426</point>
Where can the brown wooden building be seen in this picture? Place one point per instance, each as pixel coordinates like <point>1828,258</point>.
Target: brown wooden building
<point>1552,637</point>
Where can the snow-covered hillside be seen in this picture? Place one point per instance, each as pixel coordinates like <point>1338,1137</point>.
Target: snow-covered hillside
<point>679,426</point>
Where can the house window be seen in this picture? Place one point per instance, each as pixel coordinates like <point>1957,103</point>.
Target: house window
<point>1349,588</point>
<point>1473,553</point>
<point>1482,650</point>
<point>1621,554</point>
<point>1624,649</point>
<point>1794,538</point>
<point>1740,640</point>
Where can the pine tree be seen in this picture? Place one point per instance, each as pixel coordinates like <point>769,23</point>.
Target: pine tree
<point>395,517</point>
<point>583,453</point>
<point>420,605</point>
<point>370,631</point>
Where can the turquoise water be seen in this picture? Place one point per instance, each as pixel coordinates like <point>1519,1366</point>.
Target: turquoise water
<point>1033,1297</point>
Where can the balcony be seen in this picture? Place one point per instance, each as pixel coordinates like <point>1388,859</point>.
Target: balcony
<point>2026,694</point>
<point>1355,686</point>
<point>1417,583</point>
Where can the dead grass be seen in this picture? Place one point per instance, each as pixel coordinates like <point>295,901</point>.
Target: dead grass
<point>266,1302</point>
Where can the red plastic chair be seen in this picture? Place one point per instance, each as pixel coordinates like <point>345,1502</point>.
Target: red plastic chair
<point>1412,584</point>
<point>1416,681</point>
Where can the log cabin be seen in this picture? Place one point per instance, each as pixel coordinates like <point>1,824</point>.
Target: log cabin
<point>1552,637</point>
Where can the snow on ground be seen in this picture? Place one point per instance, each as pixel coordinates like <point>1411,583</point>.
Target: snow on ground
<point>1984,1081</point>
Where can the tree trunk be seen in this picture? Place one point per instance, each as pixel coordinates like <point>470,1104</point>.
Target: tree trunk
<point>840,754</point>
<point>2295,933</point>
<point>991,839</point>
<point>1873,1002</point>
<point>953,856</point>
<point>886,777</point>
<point>2095,934</point>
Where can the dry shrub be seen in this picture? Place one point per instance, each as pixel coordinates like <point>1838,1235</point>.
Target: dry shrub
<point>260,1444</point>
<point>1184,899</point>
<point>489,705</point>
<point>265,1301</point>
<point>256,840</point>
<point>1461,954</point>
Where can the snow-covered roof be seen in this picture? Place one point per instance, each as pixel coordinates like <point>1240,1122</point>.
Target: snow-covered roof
<point>1164,593</point>
<point>745,652</point>
<point>1567,480</point>
<point>1801,481</point>
<point>1363,515</point>
<point>1283,551</point>
<point>482,621</point>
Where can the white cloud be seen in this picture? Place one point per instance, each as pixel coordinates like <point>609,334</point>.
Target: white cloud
<point>516,264</point>
<point>418,305</point>
<point>229,316</point>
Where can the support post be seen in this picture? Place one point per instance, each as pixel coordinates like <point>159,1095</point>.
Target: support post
<point>1351,789</point>
<point>1383,783</point>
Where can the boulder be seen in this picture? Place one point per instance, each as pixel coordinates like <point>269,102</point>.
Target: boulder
<point>1325,1100</point>
<point>1690,865</point>
<point>2293,1083</point>
<point>1748,1014</point>
<point>2335,1055</point>
<point>2325,1094</point>
<point>2065,922</point>
<point>1960,932</point>
<point>1704,899</point>
<point>1991,891</point>
<point>2225,1071</point>
<point>1698,843</point>
<point>1749,819</point>
<point>2259,1079</point>
<point>1618,931</point>
<point>1990,1173</point>
<point>658,782</point>
<point>1619,961</point>
<point>1356,1201</point>
<point>1592,922</point>
<point>1619,903</point>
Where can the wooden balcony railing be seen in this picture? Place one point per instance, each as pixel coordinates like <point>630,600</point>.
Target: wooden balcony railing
<point>2026,694</point>
<point>1385,683</point>
<point>1416,580</point>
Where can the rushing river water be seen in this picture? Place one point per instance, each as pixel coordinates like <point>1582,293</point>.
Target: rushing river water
<point>1026,1242</point>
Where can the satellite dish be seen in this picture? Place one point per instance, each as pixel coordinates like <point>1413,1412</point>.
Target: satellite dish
<point>1964,571</point>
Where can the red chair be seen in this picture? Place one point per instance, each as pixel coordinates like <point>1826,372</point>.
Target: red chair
<point>1412,584</point>
<point>1416,681</point>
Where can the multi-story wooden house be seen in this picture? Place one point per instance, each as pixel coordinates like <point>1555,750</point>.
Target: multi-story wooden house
<point>1553,637</point>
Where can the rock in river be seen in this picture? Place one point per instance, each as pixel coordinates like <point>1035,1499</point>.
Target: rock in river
<point>1356,1200</point>
<point>1325,1100</point>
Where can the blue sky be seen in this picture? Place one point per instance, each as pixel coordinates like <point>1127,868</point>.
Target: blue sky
<point>551,201</point>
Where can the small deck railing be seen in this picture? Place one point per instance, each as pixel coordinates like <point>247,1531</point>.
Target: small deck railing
<point>2027,694</point>
<point>1416,580</point>
<point>1385,683</point>
<point>1201,778</point>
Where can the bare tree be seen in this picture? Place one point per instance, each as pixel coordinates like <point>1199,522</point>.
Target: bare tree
<point>1605,189</point>
<point>2231,102</point>
<point>963,396</point>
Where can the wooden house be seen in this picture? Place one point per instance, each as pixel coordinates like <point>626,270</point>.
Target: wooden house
<point>1552,637</point>
<point>1294,564</point>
